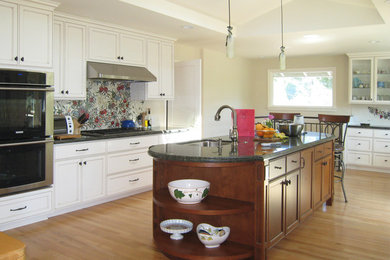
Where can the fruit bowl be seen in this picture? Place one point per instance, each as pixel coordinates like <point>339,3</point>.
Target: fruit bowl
<point>212,236</point>
<point>266,133</point>
<point>189,191</point>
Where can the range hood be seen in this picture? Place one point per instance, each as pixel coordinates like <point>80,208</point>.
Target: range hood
<point>97,70</point>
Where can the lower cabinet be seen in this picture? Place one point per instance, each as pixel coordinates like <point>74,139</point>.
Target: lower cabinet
<point>282,200</point>
<point>322,177</point>
<point>79,180</point>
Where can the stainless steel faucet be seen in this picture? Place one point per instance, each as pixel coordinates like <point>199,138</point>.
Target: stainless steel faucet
<point>233,133</point>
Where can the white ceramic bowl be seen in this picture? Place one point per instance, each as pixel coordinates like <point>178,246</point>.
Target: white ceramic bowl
<point>189,191</point>
<point>176,227</point>
<point>212,236</point>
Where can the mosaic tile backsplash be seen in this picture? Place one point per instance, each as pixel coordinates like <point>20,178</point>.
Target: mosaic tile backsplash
<point>107,103</point>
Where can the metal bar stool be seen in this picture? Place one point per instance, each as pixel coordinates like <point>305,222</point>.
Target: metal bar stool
<point>282,118</point>
<point>336,125</point>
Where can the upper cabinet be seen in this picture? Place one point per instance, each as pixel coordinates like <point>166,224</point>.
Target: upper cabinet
<point>69,59</point>
<point>160,62</point>
<point>369,78</point>
<point>26,29</point>
<point>112,46</point>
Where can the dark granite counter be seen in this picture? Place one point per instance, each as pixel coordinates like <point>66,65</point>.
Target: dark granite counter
<point>370,127</point>
<point>247,149</point>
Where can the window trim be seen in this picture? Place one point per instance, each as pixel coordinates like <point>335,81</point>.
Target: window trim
<point>316,108</point>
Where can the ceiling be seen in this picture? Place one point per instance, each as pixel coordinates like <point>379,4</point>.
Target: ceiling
<point>311,27</point>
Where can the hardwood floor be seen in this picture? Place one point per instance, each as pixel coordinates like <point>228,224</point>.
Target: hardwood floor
<point>359,229</point>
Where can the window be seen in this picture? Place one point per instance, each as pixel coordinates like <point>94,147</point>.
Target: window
<point>302,88</point>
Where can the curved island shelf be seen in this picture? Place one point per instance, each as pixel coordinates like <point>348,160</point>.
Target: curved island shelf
<point>211,205</point>
<point>248,192</point>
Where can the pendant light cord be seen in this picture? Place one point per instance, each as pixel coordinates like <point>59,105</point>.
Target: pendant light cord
<point>281,18</point>
<point>229,27</point>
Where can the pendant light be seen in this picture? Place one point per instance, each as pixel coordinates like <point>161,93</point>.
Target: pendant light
<point>282,55</point>
<point>229,39</point>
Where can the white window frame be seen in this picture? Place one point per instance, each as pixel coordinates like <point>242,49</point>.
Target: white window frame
<point>295,108</point>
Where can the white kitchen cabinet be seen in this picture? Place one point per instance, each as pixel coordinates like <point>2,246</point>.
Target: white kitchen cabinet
<point>26,30</point>
<point>79,173</point>
<point>118,47</point>
<point>369,78</point>
<point>69,60</point>
<point>160,62</point>
<point>15,210</point>
<point>369,148</point>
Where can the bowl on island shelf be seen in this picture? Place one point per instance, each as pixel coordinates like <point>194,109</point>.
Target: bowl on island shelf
<point>189,191</point>
<point>176,227</point>
<point>212,236</point>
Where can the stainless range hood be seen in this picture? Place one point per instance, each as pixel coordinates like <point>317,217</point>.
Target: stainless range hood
<point>97,70</point>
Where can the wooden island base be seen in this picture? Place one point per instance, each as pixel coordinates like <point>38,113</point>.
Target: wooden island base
<point>260,200</point>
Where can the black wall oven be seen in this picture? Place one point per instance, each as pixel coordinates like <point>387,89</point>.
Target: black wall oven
<point>26,130</point>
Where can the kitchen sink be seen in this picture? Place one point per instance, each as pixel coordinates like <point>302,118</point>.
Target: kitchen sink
<point>208,142</point>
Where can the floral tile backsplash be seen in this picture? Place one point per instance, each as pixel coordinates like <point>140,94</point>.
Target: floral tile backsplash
<point>107,103</point>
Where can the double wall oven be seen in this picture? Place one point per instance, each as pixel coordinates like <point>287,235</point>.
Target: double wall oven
<point>26,130</point>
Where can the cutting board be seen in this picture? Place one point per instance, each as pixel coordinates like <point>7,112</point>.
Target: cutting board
<point>66,136</point>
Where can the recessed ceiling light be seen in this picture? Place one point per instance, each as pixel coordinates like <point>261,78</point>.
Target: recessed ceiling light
<point>374,41</point>
<point>187,27</point>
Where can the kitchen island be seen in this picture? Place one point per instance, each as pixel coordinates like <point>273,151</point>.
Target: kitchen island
<point>261,191</point>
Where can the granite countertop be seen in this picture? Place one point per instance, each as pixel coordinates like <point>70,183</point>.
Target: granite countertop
<point>370,127</point>
<point>247,149</point>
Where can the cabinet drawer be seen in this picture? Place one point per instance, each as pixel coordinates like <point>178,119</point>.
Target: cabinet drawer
<point>24,205</point>
<point>360,132</point>
<point>359,158</point>
<point>128,161</point>
<point>381,160</point>
<point>359,144</point>
<point>128,181</point>
<point>328,148</point>
<point>293,162</point>
<point>125,144</point>
<point>382,133</point>
<point>80,149</point>
<point>381,146</point>
<point>319,151</point>
<point>277,167</point>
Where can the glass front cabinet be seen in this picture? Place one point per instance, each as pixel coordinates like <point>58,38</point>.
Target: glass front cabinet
<point>369,78</point>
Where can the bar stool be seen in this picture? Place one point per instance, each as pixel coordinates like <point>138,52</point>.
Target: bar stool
<point>336,125</point>
<point>282,118</point>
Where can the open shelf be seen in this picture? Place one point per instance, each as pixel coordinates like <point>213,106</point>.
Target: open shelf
<point>191,248</point>
<point>210,206</point>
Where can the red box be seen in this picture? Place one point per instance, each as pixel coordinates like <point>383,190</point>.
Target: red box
<point>246,122</point>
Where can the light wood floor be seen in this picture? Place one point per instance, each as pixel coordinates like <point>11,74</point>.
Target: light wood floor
<point>359,229</point>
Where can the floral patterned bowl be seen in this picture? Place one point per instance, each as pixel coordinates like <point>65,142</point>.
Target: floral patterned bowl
<point>189,191</point>
<point>212,236</point>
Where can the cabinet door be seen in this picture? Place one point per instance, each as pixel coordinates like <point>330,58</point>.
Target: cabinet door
<point>317,183</point>
<point>74,62</point>
<point>103,45</point>
<point>167,67</point>
<point>153,64</point>
<point>306,205</point>
<point>35,37</point>
<point>361,80</point>
<point>275,210</point>
<point>132,50</point>
<point>58,39</point>
<point>8,32</point>
<point>92,178</point>
<point>67,183</point>
<point>382,81</point>
<point>326,177</point>
<point>292,201</point>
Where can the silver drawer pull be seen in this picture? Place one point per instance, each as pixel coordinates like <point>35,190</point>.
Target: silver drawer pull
<point>358,158</point>
<point>134,180</point>
<point>294,161</point>
<point>135,143</point>
<point>359,132</point>
<point>278,167</point>
<point>386,146</point>
<point>82,150</point>
<point>359,144</point>
<point>22,208</point>
<point>134,160</point>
